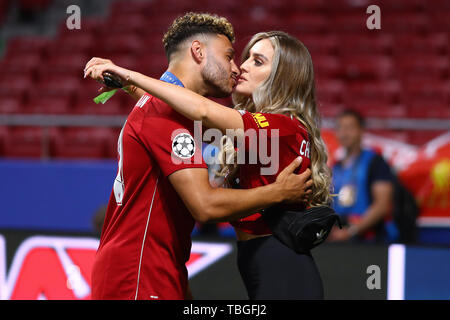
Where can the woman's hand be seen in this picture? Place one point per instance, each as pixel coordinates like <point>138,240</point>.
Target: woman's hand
<point>96,66</point>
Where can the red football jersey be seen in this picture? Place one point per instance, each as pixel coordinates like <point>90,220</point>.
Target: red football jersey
<point>146,237</point>
<point>293,141</point>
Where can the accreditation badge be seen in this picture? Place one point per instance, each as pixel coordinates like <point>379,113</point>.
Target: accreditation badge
<point>347,195</point>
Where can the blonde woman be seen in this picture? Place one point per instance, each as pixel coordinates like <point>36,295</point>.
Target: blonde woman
<point>275,90</point>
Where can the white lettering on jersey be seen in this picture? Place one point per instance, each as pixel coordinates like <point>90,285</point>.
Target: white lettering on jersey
<point>304,149</point>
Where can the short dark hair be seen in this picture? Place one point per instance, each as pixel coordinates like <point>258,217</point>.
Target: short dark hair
<point>355,114</point>
<point>193,23</point>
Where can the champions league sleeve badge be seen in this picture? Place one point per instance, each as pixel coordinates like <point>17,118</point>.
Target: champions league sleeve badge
<point>183,146</point>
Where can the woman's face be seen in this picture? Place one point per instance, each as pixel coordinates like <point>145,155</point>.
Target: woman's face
<point>256,69</point>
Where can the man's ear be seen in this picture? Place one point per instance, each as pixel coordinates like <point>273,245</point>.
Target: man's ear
<point>197,51</point>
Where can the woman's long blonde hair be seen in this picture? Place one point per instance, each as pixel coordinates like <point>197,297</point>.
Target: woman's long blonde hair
<point>289,90</point>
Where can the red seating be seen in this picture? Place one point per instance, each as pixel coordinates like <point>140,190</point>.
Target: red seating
<point>374,109</point>
<point>25,142</point>
<point>426,92</point>
<point>21,45</point>
<point>330,110</point>
<point>81,143</point>
<point>363,44</point>
<point>400,71</point>
<point>436,43</point>
<point>307,22</point>
<point>367,66</point>
<point>47,104</point>
<point>20,63</point>
<point>11,104</point>
<point>327,66</point>
<point>384,92</point>
<point>422,65</point>
<point>56,85</point>
<point>69,65</point>
<point>112,107</point>
<point>71,43</point>
<point>14,84</point>
<point>427,109</point>
<point>330,91</point>
<point>124,23</point>
<point>405,22</point>
<point>322,44</point>
<point>349,22</point>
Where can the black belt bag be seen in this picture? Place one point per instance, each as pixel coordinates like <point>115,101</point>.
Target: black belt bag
<point>301,230</point>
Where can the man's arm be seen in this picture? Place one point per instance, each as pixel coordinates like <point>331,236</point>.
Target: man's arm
<point>208,204</point>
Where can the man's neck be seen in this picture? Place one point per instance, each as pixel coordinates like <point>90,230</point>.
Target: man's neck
<point>351,154</point>
<point>189,79</point>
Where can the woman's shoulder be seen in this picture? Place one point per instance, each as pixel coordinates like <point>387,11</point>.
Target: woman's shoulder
<point>287,124</point>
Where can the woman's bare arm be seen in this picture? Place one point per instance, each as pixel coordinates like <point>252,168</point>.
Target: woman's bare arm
<point>184,101</point>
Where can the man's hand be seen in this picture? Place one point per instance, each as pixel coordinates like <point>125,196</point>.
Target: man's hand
<point>295,188</point>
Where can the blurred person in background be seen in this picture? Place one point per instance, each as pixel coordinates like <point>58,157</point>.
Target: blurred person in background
<point>364,184</point>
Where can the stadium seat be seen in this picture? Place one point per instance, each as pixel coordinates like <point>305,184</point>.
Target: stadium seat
<point>330,91</point>
<point>25,142</point>
<point>4,6</point>
<point>375,109</point>
<point>423,91</point>
<point>130,7</point>
<point>18,63</point>
<point>14,84</point>
<point>71,43</point>
<point>110,44</point>
<point>426,109</point>
<point>69,65</point>
<point>4,131</point>
<point>81,143</point>
<point>11,104</point>
<point>405,22</point>
<point>57,85</point>
<point>402,5</point>
<point>440,21</point>
<point>47,104</point>
<point>300,22</point>
<point>112,107</point>
<point>435,43</point>
<point>329,110</point>
<point>351,22</point>
<point>363,44</point>
<point>383,92</point>
<point>319,44</point>
<point>25,45</point>
<point>367,67</point>
<point>422,65</point>
<point>327,66</point>
<point>124,24</point>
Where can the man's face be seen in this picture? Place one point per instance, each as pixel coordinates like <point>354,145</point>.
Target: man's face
<point>349,132</point>
<point>220,72</point>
